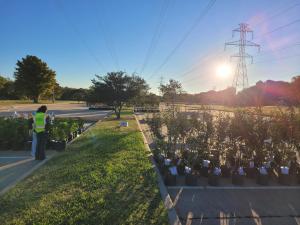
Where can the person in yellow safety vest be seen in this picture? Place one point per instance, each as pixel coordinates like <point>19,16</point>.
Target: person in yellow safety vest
<point>40,123</point>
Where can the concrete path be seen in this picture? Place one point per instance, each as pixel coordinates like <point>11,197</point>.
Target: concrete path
<point>265,207</point>
<point>16,165</point>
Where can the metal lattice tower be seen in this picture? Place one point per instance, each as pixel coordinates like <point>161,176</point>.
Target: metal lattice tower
<point>240,77</point>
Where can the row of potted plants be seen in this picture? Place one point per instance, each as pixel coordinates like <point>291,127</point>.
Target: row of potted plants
<point>236,145</point>
<point>62,131</point>
<point>15,135</point>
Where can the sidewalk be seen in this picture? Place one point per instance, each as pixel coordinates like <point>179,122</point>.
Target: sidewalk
<point>16,165</point>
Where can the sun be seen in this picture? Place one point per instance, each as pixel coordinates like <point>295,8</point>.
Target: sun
<point>223,70</point>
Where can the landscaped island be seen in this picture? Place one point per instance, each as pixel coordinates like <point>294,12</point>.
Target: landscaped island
<point>104,177</point>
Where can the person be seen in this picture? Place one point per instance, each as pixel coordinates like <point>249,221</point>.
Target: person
<point>39,125</point>
<point>33,134</point>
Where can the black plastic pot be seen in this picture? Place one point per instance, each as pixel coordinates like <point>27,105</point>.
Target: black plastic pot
<point>285,179</point>
<point>60,145</point>
<point>226,171</point>
<point>237,179</point>
<point>191,179</point>
<point>204,171</point>
<point>251,172</point>
<point>181,169</point>
<point>262,179</point>
<point>170,180</point>
<point>213,180</point>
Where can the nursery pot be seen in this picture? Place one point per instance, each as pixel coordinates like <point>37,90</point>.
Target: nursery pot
<point>262,179</point>
<point>285,179</point>
<point>181,169</point>
<point>237,179</point>
<point>204,171</point>
<point>213,180</point>
<point>251,172</point>
<point>226,171</point>
<point>191,179</point>
<point>60,145</point>
<point>170,180</point>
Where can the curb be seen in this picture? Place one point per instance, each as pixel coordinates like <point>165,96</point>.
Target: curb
<point>173,217</point>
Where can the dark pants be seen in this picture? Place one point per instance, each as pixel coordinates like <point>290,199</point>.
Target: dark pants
<point>41,146</point>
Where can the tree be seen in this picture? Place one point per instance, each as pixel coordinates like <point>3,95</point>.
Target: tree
<point>296,88</point>
<point>116,89</point>
<point>7,89</point>
<point>170,92</point>
<point>33,78</point>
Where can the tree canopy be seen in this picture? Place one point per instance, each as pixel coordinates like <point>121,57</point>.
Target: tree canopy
<point>116,89</point>
<point>33,78</point>
<point>7,88</point>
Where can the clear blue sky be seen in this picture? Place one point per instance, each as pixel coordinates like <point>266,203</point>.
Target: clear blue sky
<point>79,39</point>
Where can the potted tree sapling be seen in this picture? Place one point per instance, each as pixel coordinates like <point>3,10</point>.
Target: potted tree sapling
<point>238,173</point>
<point>284,136</point>
<point>191,178</point>
<point>214,176</point>
<point>262,177</point>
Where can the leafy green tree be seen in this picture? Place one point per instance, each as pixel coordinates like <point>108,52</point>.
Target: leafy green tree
<point>7,88</point>
<point>116,89</point>
<point>33,78</point>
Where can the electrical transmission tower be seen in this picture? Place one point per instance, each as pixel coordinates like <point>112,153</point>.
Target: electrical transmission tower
<point>240,79</point>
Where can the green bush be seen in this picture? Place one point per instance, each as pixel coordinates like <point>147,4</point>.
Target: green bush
<point>14,132</point>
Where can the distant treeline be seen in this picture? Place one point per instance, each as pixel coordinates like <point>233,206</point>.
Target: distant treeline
<point>262,93</point>
<point>8,91</point>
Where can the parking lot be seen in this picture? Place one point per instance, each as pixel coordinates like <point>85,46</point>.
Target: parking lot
<point>71,110</point>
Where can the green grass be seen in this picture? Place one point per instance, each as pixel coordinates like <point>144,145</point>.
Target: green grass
<point>104,177</point>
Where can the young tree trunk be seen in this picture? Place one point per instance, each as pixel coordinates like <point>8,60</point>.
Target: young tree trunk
<point>36,99</point>
<point>118,111</point>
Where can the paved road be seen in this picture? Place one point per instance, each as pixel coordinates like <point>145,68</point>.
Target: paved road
<point>59,109</point>
<point>267,207</point>
<point>15,164</point>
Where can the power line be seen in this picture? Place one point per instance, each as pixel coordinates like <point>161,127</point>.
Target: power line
<point>60,6</point>
<point>109,44</point>
<point>277,49</point>
<point>278,59</point>
<point>157,33</point>
<point>277,14</point>
<point>107,39</point>
<point>279,28</point>
<point>185,36</point>
<point>195,67</point>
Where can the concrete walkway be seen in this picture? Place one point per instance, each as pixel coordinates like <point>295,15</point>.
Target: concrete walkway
<point>16,165</point>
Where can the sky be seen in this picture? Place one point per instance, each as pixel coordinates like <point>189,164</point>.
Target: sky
<point>157,39</point>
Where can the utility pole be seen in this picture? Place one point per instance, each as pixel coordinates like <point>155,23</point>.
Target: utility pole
<point>240,79</point>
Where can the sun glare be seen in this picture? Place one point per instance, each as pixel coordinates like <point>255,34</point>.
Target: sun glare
<point>223,70</point>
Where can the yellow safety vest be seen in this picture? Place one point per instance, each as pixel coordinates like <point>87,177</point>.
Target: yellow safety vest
<point>39,122</point>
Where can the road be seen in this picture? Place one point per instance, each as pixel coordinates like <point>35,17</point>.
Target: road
<point>59,109</point>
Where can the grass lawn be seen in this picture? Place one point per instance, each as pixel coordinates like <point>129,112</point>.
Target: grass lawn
<point>104,177</point>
